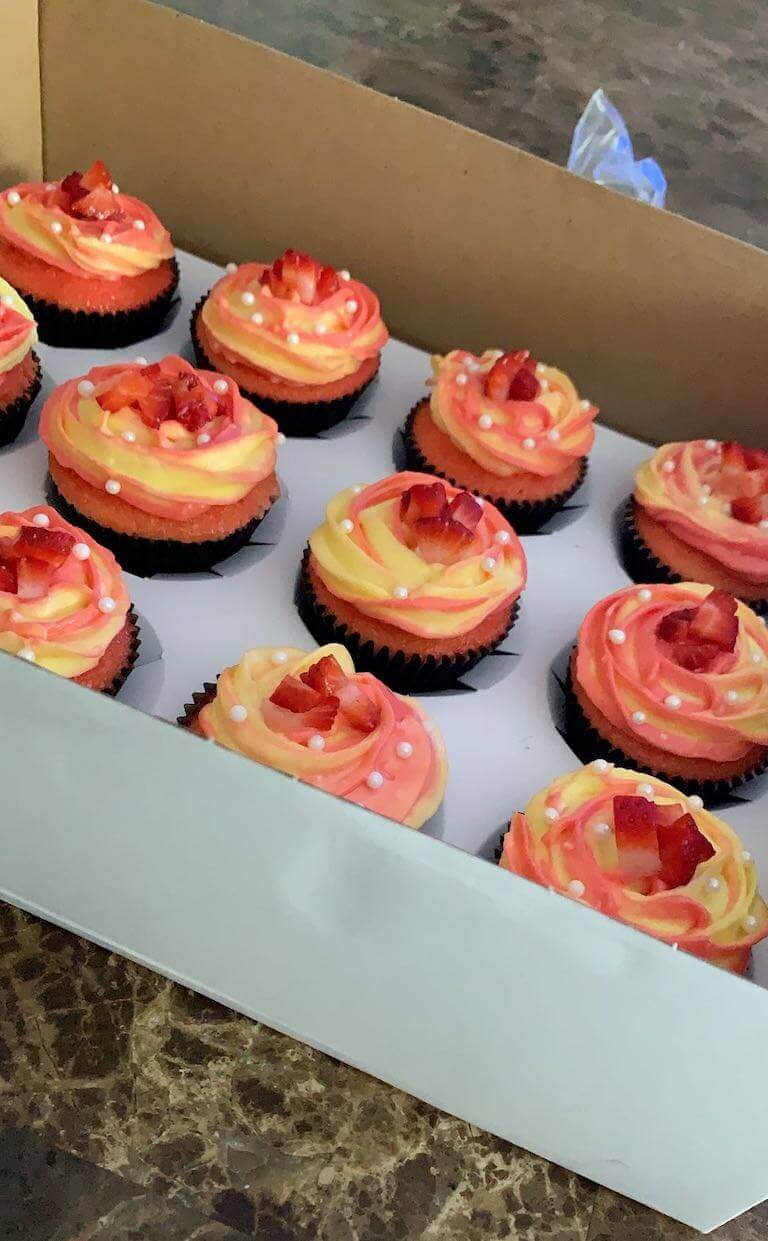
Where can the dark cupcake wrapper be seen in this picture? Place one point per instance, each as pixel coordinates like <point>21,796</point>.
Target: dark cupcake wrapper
<point>89,329</point>
<point>146,557</point>
<point>200,699</point>
<point>13,416</point>
<point>525,516</point>
<point>299,419</point>
<point>588,744</point>
<point>406,674</point>
<point>133,654</point>
<point>643,566</point>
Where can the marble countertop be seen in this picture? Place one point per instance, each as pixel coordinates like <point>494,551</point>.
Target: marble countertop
<point>129,1107</point>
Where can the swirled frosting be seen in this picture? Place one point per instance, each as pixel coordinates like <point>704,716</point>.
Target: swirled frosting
<point>682,487</point>
<point>315,343</point>
<point>173,439</point>
<point>116,235</point>
<point>633,676</point>
<point>396,768</point>
<point>63,612</point>
<point>540,435</point>
<point>362,554</point>
<point>566,840</point>
<point>18,331</point>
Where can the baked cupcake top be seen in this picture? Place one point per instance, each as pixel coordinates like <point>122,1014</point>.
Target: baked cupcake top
<point>18,331</point>
<point>683,667</point>
<point>84,226</point>
<point>62,596</point>
<point>714,497</point>
<point>420,554</point>
<point>296,319</point>
<point>638,850</point>
<point>510,413</point>
<point>313,716</point>
<point>166,438</point>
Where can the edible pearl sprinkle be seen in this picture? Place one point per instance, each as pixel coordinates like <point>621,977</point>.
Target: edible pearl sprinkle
<point>668,467</point>
<point>293,338</point>
<point>347,525</point>
<point>248,298</point>
<point>279,657</point>
<point>576,887</point>
<point>529,443</point>
<point>27,653</point>
<point>140,225</point>
<point>351,306</point>
<point>357,488</point>
<point>489,564</point>
<point>461,379</point>
<point>501,536</point>
<point>141,360</point>
<point>81,551</point>
<point>713,884</point>
<point>638,717</point>
<point>375,780</point>
<point>485,422</point>
<point>702,500</point>
<point>7,300</point>
<point>404,749</point>
<point>106,238</point>
<point>757,657</point>
<point>764,523</point>
<point>711,445</point>
<point>750,922</point>
<point>600,764</point>
<point>86,388</point>
<point>695,802</point>
<point>14,197</point>
<point>280,438</point>
<point>553,435</point>
<point>731,695</point>
<point>673,701</point>
<point>321,329</point>
<point>472,365</point>
<point>602,829</point>
<point>41,519</point>
<point>617,636</point>
<point>705,487</point>
<point>56,227</point>
<point>129,436</point>
<point>112,486</point>
<point>221,386</point>
<point>400,592</point>
<point>106,604</point>
<point>237,714</point>
<point>551,814</point>
<point>257,317</point>
<point>644,790</point>
<point>230,269</point>
<point>586,404</point>
<point>203,439</point>
<point>316,742</point>
<point>645,594</point>
<point>344,274</point>
<point>746,856</point>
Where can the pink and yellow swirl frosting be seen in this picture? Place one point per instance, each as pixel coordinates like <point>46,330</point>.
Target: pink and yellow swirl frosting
<point>106,427</point>
<point>122,237</point>
<point>66,622</point>
<point>18,331</point>
<point>717,712</point>
<point>680,487</point>
<point>541,436</point>
<point>319,343</point>
<point>566,840</point>
<point>398,768</point>
<point>361,554</point>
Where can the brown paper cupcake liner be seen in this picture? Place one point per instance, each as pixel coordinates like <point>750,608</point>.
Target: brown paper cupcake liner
<point>406,674</point>
<point>300,419</point>
<point>133,654</point>
<point>88,329</point>
<point>588,744</point>
<point>146,557</point>
<point>13,416</point>
<point>525,516</point>
<point>200,699</point>
<point>644,567</point>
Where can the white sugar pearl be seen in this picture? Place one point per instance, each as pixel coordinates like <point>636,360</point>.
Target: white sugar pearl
<point>140,225</point>
<point>347,525</point>
<point>489,564</point>
<point>221,386</point>
<point>86,388</point>
<point>238,714</point>
<point>764,523</point>
<point>502,536</point>
<point>141,360</point>
<point>485,422</point>
<point>279,657</point>
<point>27,653</point>
<point>668,467</point>
<point>695,802</point>
<point>529,443</point>
<point>106,603</point>
<point>357,488</point>
<point>321,329</point>
<point>713,884</point>
<point>400,592</point>
<point>617,636</point>
<point>551,814</point>
<point>7,300</point>
<point>553,435</point>
<point>644,789</point>
<point>702,501</point>
<point>57,227</point>
<point>280,438</point>
<point>81,551</point>
<point>750,922</point>
<point>316,742</point>
<point>203,439</point>
<point>351,306</point>
<point>638,717</point>
<point>576,887</point>
<point>41,519</point>
<point>248,298</point>
<point>600,764</point>
<point>293,338</point>
<point>645,594</point>
<point>230,269</point>
<point>706,489</point>
<point>710,444</point>
<point>112,486</point>
<point>472,365</point>
<point>375,780</point>
<point>344,274</point>
<point>586,404</point>
<point>731,695</point>
<point>404,749</point>
<point>257,318</point>
<point>14,198</point>
<point>673,701</point>
<point>129,436</point>
<point>602,829</point>
<point>106,238</point>
<point>757,657</point>
<point>461,379</point>
<point>115,188</point>
<point>746,856</point>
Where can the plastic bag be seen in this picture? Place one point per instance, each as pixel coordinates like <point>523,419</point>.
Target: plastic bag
<point>601,151</point>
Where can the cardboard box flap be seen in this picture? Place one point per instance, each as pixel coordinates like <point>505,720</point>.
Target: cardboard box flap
<point>21,133</point>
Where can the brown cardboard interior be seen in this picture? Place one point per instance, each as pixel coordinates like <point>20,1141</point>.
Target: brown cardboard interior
<point>21,143</point>
<point>471,243</point>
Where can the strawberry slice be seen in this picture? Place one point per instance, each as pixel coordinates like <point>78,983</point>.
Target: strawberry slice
<point>32,579</point>
<point>675,625</point>
<point>325,676</point>
<point>8,578</point>
<point>49,546</point>
<point>441,540</point>
<point>128,390</point>
<point>423,500</point>
<point>465,508</point>
<point>512,378</point>
<point>295,695</point>
<point>681,848</point>
<point>98,204</point>
<point>716,620</point>
<point>635,824</point>
<point>695,656</point>
<point>300,275</point>
<point>750,509</point>
<point>732,458</point>
<point>295,705</point>
<point>97,175</point>
<point>756,458</point>
<point>72,186</point>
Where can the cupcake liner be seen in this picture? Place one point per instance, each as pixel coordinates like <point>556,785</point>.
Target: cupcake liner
<point>643,566</point>
<point>300,419</point>
<point>588,744</point>
<point>525,516</point>
<point>13,416</point>
<point>200,699</point>
<point>87,329</point>
<point>145,557</point>
<point>119,681</point>
<point>406,674</point>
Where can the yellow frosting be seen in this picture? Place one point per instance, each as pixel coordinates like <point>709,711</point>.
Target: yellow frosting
<point>368,563</point>
<point>22,337</point>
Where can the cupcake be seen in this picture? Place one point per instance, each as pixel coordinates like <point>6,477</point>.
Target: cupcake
<point>19,366</point>
<point>639,851</point>
<point>312,716</point>
<point>95,266</point>
<point>303,341</point>
<point>64,604</point>
<point>506,428</point>
<point>672,679</point>
<point>168,466</point>
<point>417,578</point>
<point>700,513</point>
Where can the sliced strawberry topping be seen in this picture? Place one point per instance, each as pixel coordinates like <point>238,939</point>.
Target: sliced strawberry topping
<point>744,478</point>
<point>512,378</point>
<point>635,825</point>
<point>327,678</point>
<point>97,175</point>
<point>750,509</point>
<point>159,397</point>
<point>99,204</point>
<point>295,695</point>
<point>299,275</point>
<point>440,540</point>
<point>8,578</point>
<point>423,500</point>
<point>465,508</point>
<point>716,620</point>
<point>300,706</point>
<point>72,186</point>
<point>756,458</point>
<point>675,625</point>
<point>32,579</point>
<point>50,546</point>
<point>440,532</point>
<point>696,637</point>
<point>657,842</point>
<point>681,848</point>
<point>88,195</point>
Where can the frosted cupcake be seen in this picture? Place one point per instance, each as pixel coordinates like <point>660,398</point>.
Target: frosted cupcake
<point>19,366</point>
